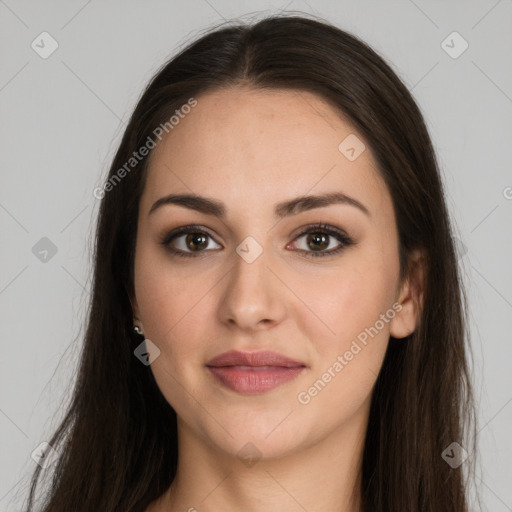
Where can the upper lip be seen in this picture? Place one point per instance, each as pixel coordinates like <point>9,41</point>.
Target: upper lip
<point>266,358</point>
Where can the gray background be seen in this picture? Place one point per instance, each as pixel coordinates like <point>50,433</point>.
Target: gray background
<point>62,118</point>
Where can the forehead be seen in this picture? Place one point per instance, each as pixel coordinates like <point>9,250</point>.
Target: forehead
<point>262,146</point>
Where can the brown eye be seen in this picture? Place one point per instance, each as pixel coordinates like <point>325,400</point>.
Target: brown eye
<point>317,242</point>
<point>322,240</point>
<point>196,241</point>
<point>188,241</point>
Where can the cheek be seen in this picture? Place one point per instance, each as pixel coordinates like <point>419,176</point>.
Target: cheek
<point>173,308</point>
<point>348,360</point>
<point>355,304</point>
<point>343,303</point>
<point>177,309</point>
<point>166,294</point>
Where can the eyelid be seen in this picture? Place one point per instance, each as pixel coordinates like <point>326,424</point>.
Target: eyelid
<point>185,229</point>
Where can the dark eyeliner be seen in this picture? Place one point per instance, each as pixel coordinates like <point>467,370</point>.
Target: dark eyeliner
<point>321,228</point>
<point>169,237</point>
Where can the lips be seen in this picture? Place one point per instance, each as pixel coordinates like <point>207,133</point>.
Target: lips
<point>253,359</point>
<point>253,372</point>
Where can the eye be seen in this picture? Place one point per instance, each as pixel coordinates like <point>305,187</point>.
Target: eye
<point>320,237</point>
<point>188,241</point>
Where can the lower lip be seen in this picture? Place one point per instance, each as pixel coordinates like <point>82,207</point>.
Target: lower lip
<point>253,380</point>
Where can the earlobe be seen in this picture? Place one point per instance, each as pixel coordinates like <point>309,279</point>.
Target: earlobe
<point>410,298</point>
<point>137,324</point>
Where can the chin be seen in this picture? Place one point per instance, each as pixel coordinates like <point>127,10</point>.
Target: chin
<point>262,437</point>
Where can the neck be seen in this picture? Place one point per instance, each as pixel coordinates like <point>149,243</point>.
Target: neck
<point>325,477</point>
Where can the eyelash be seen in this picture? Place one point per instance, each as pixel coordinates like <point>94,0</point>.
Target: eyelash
<point>345,241</point>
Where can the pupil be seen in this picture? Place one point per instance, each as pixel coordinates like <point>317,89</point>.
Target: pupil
<point>318,240</point>
<point>194,240</point>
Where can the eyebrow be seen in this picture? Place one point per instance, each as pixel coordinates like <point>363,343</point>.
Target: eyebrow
<point>285,209</point>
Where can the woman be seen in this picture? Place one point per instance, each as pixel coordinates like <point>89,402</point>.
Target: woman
<point>277,319</point>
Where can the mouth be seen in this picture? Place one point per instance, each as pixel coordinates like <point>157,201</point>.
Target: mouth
<point>253,373</point>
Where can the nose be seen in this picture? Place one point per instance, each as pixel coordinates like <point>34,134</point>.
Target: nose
<point>253,298</point>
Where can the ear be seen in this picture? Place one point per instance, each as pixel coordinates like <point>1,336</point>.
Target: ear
<point>135,309</point>
<point>410,297</point>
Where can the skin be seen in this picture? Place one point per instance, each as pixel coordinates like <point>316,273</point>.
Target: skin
<point>250,150</point>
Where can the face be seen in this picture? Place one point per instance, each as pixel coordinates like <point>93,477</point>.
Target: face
<point>264,276</point>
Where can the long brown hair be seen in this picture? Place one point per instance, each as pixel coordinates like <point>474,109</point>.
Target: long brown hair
<point>118,439</point>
